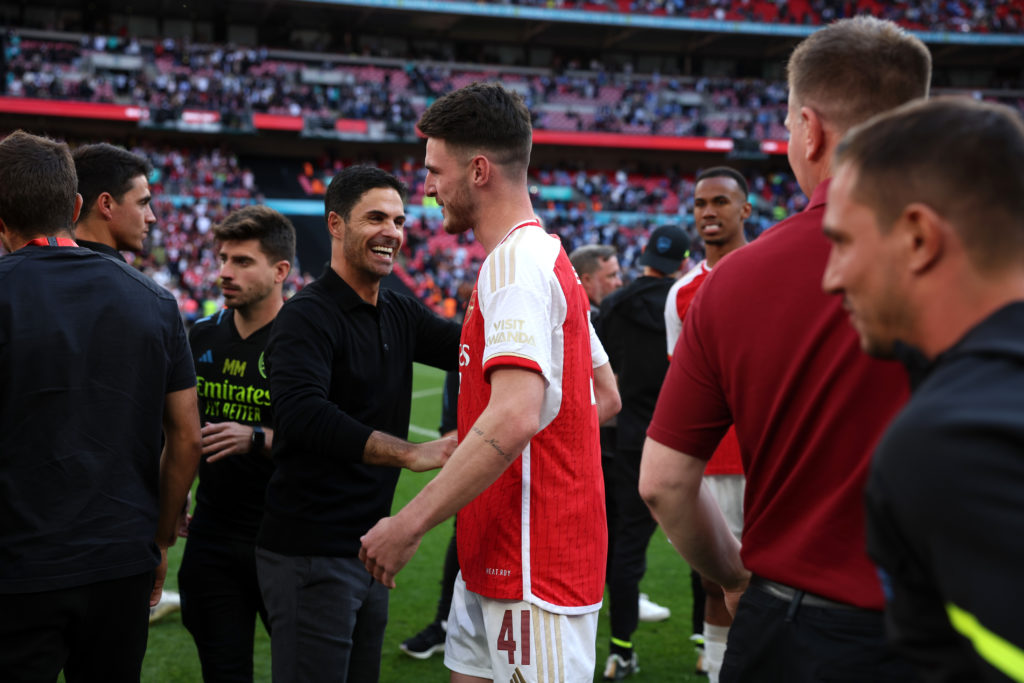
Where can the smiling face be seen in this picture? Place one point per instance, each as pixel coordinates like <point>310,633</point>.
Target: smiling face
<point>719,209</point>
<point>247,277</point>
<point>865,267</point>
<point>131,217</point>
<point>447,181</point>
<point>370,238</point>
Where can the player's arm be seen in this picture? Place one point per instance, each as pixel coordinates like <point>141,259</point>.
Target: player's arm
<point>178,464</point>
<point>606,391</point>
<point>495,440</point>
<point>300,354</point>
<point>671,485</point>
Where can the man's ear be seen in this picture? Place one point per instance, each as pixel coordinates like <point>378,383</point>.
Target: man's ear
<point>281,270</point>
<point>335,225</point>
<point>926,236</point>
<point>480,170</point>
<point>78,209</point>
<point>815,134</point>
<point>105,205</point>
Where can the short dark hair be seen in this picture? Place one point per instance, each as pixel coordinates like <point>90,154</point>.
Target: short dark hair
<point>856,68</point>
<point>726,172</point>
<point>105,168</point>
<point>37,185</point>
<point>483,116</point>
<point>588,258</point>
<point>349,186</point>
<point>274,231</point>
<point>964,159</point>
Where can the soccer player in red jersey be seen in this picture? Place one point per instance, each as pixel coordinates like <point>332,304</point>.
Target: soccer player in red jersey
<point>535,383</point>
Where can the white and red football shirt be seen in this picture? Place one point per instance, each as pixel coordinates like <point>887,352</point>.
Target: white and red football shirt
<point>538,533</point>
<point>678,301</point>
<point>726,459</point>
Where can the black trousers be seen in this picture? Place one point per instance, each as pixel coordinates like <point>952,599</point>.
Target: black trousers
<point>95,632</point>
<point>220,598</point>
<point>778,641</point>
<point>633,529</point>
<point>328,617</point>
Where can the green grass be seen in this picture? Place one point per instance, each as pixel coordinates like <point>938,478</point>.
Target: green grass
<point>665,653</point>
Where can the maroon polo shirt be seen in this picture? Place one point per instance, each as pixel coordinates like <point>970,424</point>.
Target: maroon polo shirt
<point>765,349</point>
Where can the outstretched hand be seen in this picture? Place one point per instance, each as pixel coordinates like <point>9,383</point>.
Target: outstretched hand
<point>387,548</point>
<point>431,454</point>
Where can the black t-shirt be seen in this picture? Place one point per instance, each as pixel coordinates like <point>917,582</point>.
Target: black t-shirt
<point>945,508</point>
<point>89,348</point>
<point>340,369</point>
<point>233,386</point>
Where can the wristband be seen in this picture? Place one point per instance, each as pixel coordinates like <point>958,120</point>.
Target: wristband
<point>259,439</point>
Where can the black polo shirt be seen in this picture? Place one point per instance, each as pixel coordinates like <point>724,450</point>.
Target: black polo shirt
<point>945,504</point>
<point>89,348</point>
<point>340,369</point>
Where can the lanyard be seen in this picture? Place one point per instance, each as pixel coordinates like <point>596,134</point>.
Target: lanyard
<point>52,242</point>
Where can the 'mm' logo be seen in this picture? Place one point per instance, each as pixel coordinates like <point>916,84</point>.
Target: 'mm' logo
<point>234,367</point>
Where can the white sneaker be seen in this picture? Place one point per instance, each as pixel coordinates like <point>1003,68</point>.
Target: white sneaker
<point>169,602</point>
<point>651,611</point>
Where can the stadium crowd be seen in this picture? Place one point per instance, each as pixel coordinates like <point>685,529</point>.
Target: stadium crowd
<point>236,82</point>
<point>173,77</point>
<point>596,206</point>
<point>966,16</point>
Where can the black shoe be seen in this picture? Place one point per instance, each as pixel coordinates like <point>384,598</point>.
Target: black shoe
<point>426,642</point>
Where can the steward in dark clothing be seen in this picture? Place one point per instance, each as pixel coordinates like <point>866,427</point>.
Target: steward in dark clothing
<point>629,323</point>
<point>944,513</point>
<point>632,329</point>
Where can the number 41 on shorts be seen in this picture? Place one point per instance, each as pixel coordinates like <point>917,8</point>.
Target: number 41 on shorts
<point>507,641</point>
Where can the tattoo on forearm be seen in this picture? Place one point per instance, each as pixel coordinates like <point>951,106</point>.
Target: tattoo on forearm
<point>493,443</point>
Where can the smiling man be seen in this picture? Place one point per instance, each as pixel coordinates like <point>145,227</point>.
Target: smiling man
<point>116,212</point>
<point>220,595</point>
<point>927,281</point>
<point>340,363</point>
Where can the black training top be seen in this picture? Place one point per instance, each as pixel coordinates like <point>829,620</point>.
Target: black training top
<point>632,329</point>
<point>339,369</point>
<point>89,348</point>
<point>101,248</point>
<point>945,502</point>
<point>233,386</point>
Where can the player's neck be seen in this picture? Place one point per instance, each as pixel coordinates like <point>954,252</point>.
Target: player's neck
<point>95,231</point>
<point>499,216</point>
<point>716,252</point>
<point>254,317</point>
